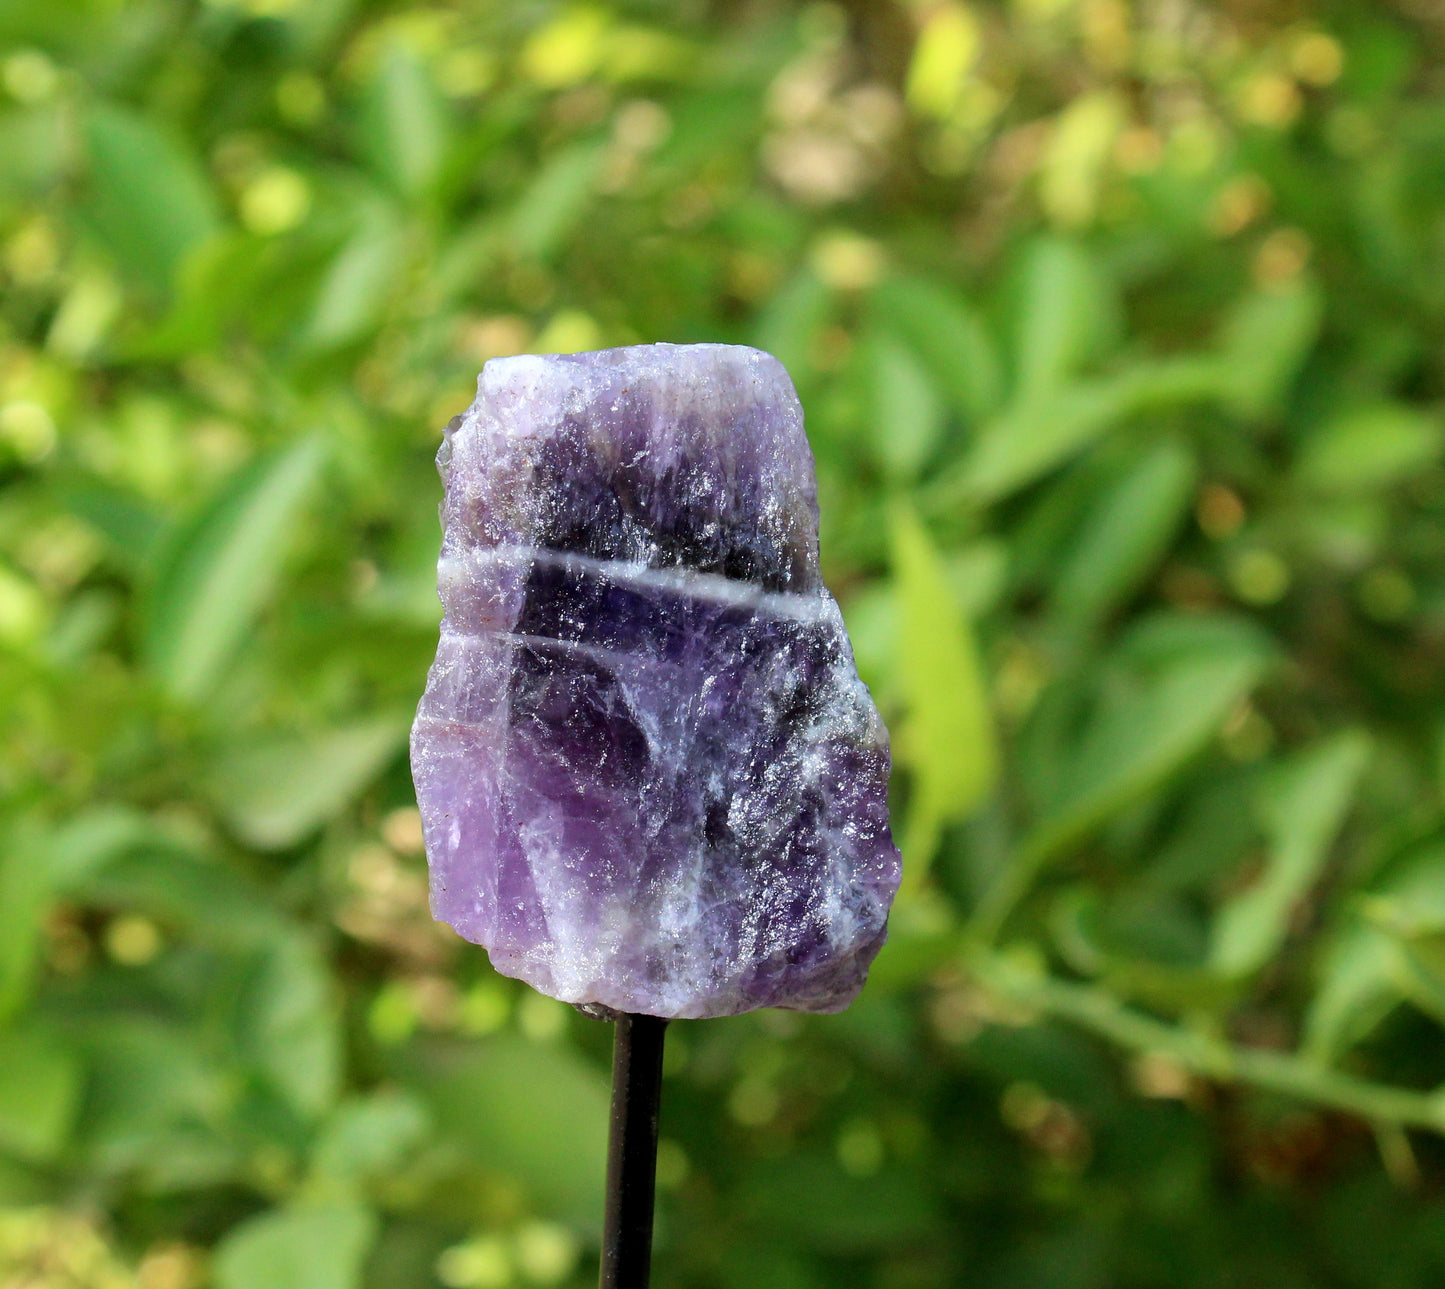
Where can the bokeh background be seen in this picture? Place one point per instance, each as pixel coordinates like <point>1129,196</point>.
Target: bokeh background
<point>1118,326</point>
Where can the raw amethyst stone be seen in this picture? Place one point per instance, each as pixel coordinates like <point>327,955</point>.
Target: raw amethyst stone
<point>650,777</point>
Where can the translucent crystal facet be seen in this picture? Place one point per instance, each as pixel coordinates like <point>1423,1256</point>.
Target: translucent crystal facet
<point>649,775</point>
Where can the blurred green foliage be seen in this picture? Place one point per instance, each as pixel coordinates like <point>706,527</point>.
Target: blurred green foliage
<point>1119,330</point>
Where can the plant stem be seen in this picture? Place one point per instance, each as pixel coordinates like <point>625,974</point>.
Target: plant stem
<point>632,1152</point>
<point>1209,1057</point>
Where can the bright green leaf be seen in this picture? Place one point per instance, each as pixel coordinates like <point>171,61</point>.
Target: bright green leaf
<point>1159,712</point>
<point>221,567</point>
<point>368,1137</point>
<point>950,737</point>
<point>1064,310</point>
<point>355,288</point>
<point>1029,439</point>
<point>787,324</point>
<point>1264,343</point>
<point>297,1248</point>
<point>556,201</point>
<point>40,1086</point>
<point>1369,448</point>
<point>905,415</point>
<point>1359,986</point>
<point>275,791</point>
<point>289,1025</point>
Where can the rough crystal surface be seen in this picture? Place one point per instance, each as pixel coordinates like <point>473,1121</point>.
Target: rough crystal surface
<point>649,775</point>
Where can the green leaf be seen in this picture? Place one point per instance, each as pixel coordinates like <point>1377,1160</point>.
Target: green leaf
<point>1359,987</point>
<point>402,122</point>
<point>276,790</point>
<point>1264,343</point>
<point>1124,534</point>
<point>1409,908</point>
<point>40,1085</point>
<point>37,863</point>
<point>1368,449</point>
<point>24,897</point>
<point>289,1024</point>
<point>1389,949</point>
<point>553,206</point>
<point>791,319</point>
<point>167,881</point>
<point>92,839</point>
<point>355,288</point>
<point>950,736</point>
<point>905,415</point>
<point>843,1214</point>
<point>1029,439</point>
<point>151,1085</point>
<point>221,567</point>
<point>297,1248</point>
<point>146,200</point>
<point>1301,810</point>
<point>369,1137</point>
<point>1064,312</point>
<point>950,338</point>
<point>1166,701</point>
<point>535,1113</point>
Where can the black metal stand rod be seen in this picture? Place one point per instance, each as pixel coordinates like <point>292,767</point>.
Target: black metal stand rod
<point>632,1152</point>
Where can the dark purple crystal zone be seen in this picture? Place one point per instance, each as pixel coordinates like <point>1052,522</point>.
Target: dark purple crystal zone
<point>705,497</point>
<point>649,775</point>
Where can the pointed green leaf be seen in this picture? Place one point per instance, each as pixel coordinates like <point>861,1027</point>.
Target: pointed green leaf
<point>221,567</point>
<point>1369,448</point>
<point>146,200</point>
<point>553,206</point>
<point>535,1113</point>
<point>40,1084</point>
<point>275,791</point>
<point>1124,533</point>
<point>297,1248</point>
<point>402,122</point>
<point>1169,697</point>
<point>1264,343</point>
<point>950,338</point>
<point>368,1137</point>
<point>950,735</point>
<point>1029,439</point>
<point>1064,309</point>
<point>356,286</point>
<point>1301,809</point>
<point>1359,986</point>
<point>788,323</point>
<point>1172,685</point>
<point>905,414</point>
<point>289,1025</point>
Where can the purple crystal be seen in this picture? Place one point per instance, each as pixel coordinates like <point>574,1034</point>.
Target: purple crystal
<point>649,774</point>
